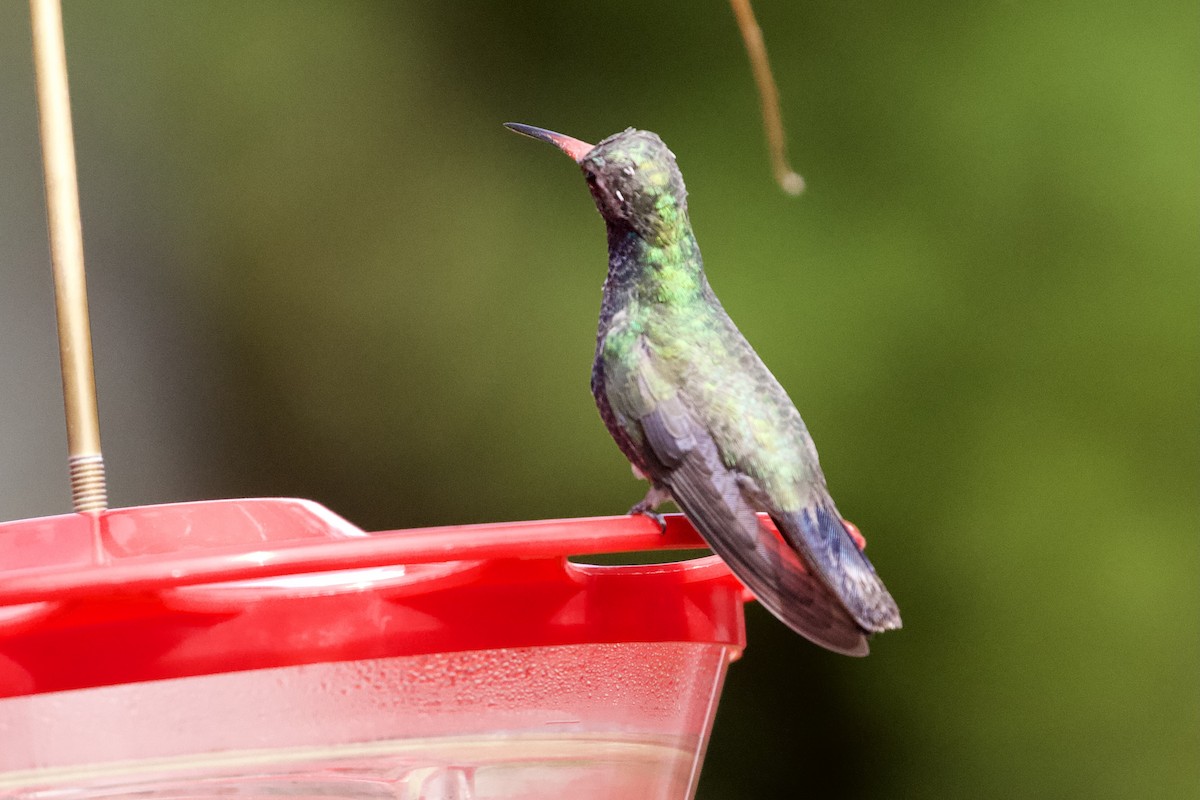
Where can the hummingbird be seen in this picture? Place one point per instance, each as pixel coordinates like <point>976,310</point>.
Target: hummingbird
<point>698,414</point>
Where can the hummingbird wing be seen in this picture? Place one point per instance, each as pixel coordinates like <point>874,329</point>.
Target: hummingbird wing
<point>682,457</point>
<point>766,445</point>
<point>788,484</point>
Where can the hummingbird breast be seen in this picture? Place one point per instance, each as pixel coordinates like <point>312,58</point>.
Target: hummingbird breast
<point>618,427</point>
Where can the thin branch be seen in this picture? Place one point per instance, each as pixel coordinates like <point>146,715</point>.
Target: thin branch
<point>789,180</point>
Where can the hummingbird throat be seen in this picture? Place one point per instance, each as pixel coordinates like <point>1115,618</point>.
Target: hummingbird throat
<point>654,273</point>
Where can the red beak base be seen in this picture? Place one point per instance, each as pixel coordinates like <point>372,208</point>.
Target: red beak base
<point>575,148</point>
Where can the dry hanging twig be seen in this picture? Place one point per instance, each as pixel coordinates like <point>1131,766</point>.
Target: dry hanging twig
<point>789,180</point>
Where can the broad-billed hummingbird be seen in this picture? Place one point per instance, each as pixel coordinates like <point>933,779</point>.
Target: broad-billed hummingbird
<point>700,416</point>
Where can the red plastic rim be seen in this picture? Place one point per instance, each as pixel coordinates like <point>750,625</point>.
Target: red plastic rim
<point>198,588</point>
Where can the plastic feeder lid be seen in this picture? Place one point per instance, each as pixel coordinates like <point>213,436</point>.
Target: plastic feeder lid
<point>167,591</point>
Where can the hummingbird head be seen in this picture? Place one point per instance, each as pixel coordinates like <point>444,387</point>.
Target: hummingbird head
<point>633,179</point>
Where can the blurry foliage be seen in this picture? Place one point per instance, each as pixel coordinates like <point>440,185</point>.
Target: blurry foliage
<point>985,306</point>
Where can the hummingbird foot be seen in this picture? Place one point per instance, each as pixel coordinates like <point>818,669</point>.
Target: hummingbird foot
<point>645,507</point>
<point>658,519</point>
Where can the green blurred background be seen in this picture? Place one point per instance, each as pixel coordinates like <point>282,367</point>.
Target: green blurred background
<point>320,267</point>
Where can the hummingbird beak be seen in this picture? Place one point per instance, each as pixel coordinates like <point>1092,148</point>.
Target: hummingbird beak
<point>572,147</point>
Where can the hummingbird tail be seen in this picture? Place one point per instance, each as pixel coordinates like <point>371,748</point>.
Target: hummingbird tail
<point>819,535</point>
<point>770,570</point>
<point>709,494</point>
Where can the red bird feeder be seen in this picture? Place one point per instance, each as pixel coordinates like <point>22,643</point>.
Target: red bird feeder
<point>268,647</point>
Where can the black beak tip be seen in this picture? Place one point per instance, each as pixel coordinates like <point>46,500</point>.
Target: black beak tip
<point>522,128</point>
<point>533,132</point>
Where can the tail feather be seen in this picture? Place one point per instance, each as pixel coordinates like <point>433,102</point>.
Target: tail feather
<point>709,495</point>
<point>681,457</point>
<point>819,535</point>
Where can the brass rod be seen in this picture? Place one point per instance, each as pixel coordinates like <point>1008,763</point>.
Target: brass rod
<point>85,462</point>
<point>789,180</point>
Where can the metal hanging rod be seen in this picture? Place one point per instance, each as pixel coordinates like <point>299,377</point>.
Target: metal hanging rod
<point>85,461</point>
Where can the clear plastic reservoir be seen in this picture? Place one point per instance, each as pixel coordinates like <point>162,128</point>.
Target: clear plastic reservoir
<point>575,721</point>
